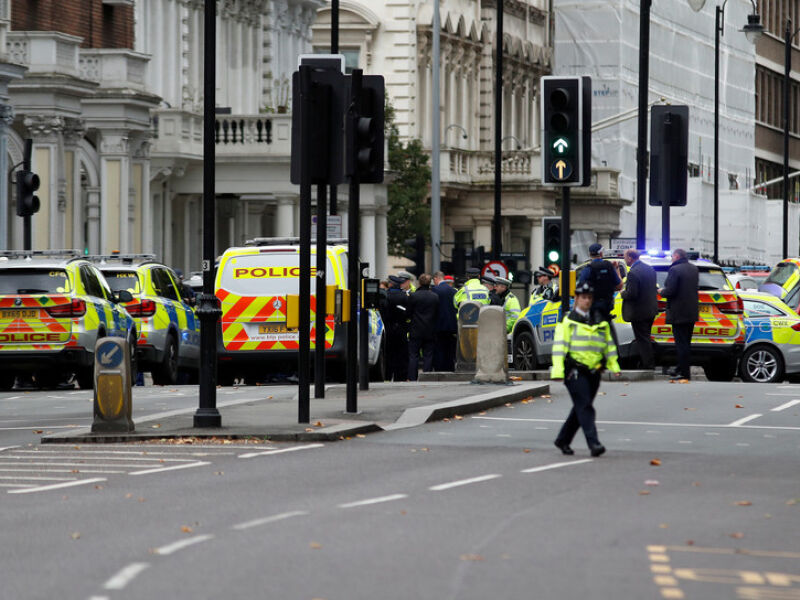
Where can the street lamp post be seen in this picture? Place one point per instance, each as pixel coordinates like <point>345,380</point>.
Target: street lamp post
<point>752,31</point>
<point>787,82</point>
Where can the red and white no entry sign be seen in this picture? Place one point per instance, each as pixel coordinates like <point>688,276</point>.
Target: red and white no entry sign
<point>497,268</point>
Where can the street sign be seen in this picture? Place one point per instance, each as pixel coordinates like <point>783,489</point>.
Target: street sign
<point>621,244</point>
<point>496,267</point>
<point>110,356</point>
<point>334,226</point>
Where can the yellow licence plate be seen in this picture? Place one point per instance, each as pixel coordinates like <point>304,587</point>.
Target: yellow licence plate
<point>19,314</point>
<point>705,308</point>
<point>273,328</point>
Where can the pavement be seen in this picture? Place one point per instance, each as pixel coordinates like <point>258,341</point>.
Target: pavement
<point>272,412</point>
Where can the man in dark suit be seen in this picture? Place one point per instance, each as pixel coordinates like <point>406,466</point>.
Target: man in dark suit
<point>680,290</point>
<point>423,307</point>
<point>640,304</point>
<point>444,353</point>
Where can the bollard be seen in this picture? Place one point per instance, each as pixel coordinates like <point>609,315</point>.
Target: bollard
<point>112,386</point>
<point>492,353</point>
<point>467,336</point>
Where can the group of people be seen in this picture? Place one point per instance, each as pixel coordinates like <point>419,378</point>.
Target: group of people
<point>585,345</point>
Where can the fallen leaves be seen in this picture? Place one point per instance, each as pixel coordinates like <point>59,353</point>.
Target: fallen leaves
<point>656,462</point>
<point>471,557</point>
<point>739,406</point>
<point>186,529</point>
<point>651,482</point>
<point>737,536</point>
<point>743,503</point>
<point>75,535</point>
<point>315,545</point>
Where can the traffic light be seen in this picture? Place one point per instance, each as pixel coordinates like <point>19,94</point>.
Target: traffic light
<point>416,253</point>
<point>566,130</point>
<point>551,227</point>
<point>669,151</point>
<point>365,136</point>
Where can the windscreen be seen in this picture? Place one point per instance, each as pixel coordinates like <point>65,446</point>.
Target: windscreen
<point>123,280</point>
<point>269,274</point>
<point>781,273</point>
<point>34,281</point>
<point>708,278</point>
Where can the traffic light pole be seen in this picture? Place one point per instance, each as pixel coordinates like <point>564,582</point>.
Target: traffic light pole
<point>321,291</point>
<point>26,219</point>
<point>304,322</point>
<point>565,252</point>
<point>353,274</point>
<point>498,135</point>
<point>363,332</point>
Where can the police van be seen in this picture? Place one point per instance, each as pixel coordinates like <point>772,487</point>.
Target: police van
<point>253,341</point>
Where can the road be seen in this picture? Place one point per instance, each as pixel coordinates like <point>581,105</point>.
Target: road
<point>697,497</point>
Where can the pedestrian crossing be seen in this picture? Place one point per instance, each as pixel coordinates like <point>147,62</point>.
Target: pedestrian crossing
<point>36,469</point>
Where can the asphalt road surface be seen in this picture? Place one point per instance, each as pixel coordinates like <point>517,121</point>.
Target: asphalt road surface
<point>697,497</point>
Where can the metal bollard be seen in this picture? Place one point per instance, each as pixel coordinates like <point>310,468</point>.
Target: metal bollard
<point>467,337</point>
<point>112,386</point>
<point>492,353</point>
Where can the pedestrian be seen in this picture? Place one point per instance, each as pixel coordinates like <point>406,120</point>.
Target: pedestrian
<point>444,352</point>
<point>395,319</point>
<point>582,350</point>
<point>508,301</point>
<point>473,290</point>
<point>680,290</point>
<point>604,279</point>
<point>423,306</point>
<point>489,281</point>
<point>546,289</point>
<point>640,304</point>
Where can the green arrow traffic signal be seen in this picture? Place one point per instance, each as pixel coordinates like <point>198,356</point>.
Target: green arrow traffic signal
<point>561,145</point>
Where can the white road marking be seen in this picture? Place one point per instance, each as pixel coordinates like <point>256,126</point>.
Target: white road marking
<point>172,468</point>
<point>8,448</point>
<point>374,500</point>
<point>556,465</point>
<point>104,471</point>
<point>125,576</point>
<point>774,394</point>
<point>744,420</point>
<point>181,544</point>
<point>647,423</point>
<point>684,442</point>
<point>452,484</point>
<point>42,427</point>
<point>789,404</point>
<point>281,451</point>
<point>98,598</point>
<point>34,478</point>
<point>56,486</point>
<point>268,520</point>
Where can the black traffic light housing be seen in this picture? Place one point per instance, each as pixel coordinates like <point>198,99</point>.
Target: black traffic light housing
<point>365,129</point>
<point>669,152</point>
<point>551,230</point>
<point>566,130</point>
<point>27,184</point>
<point>416,253</point>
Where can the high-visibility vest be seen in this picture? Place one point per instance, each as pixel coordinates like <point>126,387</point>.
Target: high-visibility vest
<point>588,345</point>
<point>512,308</point>
<point>473,291</point>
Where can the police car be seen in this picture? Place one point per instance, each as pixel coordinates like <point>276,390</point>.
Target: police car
<point>784,282</point>
<point>253,341</point>
<point>772,348</point>
<point>717,341</point>
<point>169,331</point>
<point>54,306</point>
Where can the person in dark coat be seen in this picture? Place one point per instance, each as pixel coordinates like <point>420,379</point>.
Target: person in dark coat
<point>423,306</point>
<point>395,319</point>
<point>444,351</point>
<point>640,304</point>
<point>605,280</point>
<point>680,290</point>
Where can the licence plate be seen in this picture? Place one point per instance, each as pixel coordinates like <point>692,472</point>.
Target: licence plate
<point>705,308</point>
<point>19,314</point>
<point>272,328</point>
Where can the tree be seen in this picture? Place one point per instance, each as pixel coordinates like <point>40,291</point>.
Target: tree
<point>409,211</point>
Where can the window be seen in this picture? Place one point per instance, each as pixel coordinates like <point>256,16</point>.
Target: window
<point>34,281</point>
<point>351,56</point>
<point>163,285</point>
<point>754,308</point>
<point>91,283</point>
<point>123,280</point>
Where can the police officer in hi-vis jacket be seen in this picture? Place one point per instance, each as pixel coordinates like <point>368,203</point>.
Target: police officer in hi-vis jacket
<point>582,349</point>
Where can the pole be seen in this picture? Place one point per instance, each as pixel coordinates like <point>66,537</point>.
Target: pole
<point>720,16</point>
<point>786,85</point>
<point>208,309</point>
<point>566,260</point>
<point>498,133</point>
<point>353,276</point>
<point>436,195</point>
<point>666,161</point>
<point>304,322</point>
<point>27,240</point>
<point>641,144</point>
<point>334,208</point>
<point>363,332</point>
<point>321,291</point>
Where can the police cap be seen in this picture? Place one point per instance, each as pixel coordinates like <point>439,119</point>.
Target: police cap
<point>503,281</point>
<point>396,279</point>
<point>405,275</point>
<point>584,288</point>
<point>544,271</point>
<point>489,278</point>
<point>596,249</point>
<point>473,272</point>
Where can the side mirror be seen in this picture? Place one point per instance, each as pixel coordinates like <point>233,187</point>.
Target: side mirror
<point>122,296</point>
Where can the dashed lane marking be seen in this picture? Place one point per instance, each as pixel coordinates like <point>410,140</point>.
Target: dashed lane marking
<point>557,465</point>
<point>125,576</point>
<point>56,486</point>
<point>268,520</point>
<point>742,421</point>
<point>281,451</point>
<point>651,424</point>
<point>453,484</point>
<point>181,544</point>
<point>370,501</point>
<point>172,468</point>
<point>789,404</point>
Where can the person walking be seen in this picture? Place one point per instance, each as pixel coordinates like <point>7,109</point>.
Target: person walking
<point>582,349</point>
<point>446,330</point>
<point>508,301</point>
<point>423,306</point>
<point>680,290</point>
<point>395,319</point>
<point>640,304</point>
<point>604,279</point>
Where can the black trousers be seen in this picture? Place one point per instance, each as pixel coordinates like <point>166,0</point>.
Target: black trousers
<point>641,333</point>
<point>582,389</point>
<point>444,352</point>
<point>683,347</point>
<point>414,347</point>
<point>397,356</point>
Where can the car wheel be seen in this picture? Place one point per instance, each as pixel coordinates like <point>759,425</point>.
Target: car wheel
<point>524,352</point>
<point>761,364</point>
<point>721,370</point>
<point>167,372</point>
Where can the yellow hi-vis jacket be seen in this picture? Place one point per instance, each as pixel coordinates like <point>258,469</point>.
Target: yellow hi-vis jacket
<point>473,291</point>
<point>511,308</point>
<point>588,345</point>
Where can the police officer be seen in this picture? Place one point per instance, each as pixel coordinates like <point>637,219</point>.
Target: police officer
<point>507,300</point>
<point>473,290</point>
<point>604,279</point>
<point>489,281</point>
<point>582,349</point>
<point>409,286</point>
<point>546,289</point>
<point>395,319</point>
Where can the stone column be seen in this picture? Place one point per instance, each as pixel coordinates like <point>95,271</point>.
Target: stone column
<point>6,118</point>
<point>74,131</point>
<point>47,224</point>
<point>142,213</point>
<point>284,222</point>
<point>483,232</point>
<point>367,238</point>
<point>114,183</point>
<point>381,244</point>
<point>93,213</point>
<point>536,252</point>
